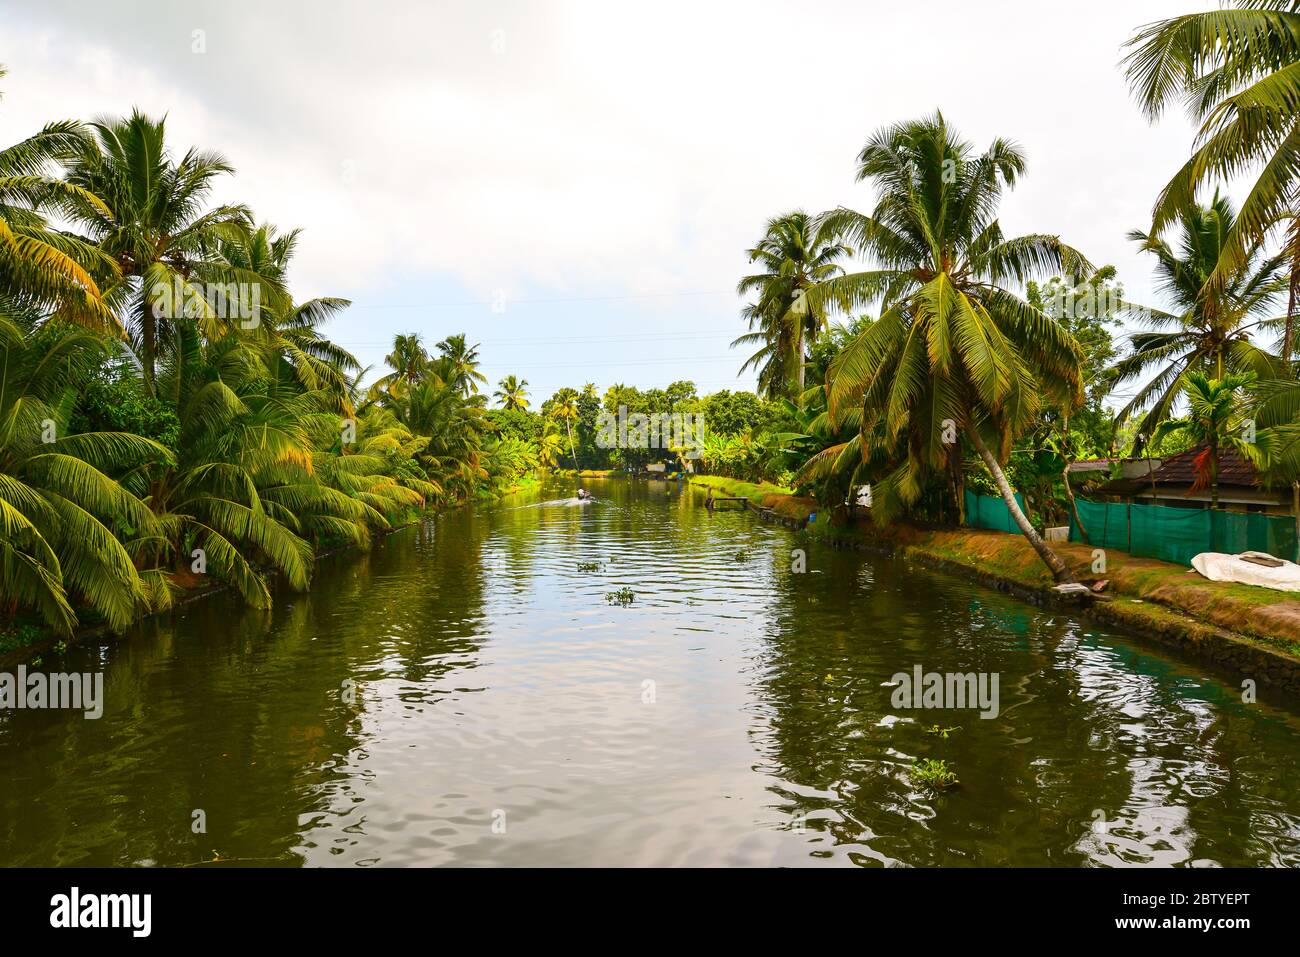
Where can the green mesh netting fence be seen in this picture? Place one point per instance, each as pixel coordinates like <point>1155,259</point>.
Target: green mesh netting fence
<point>987,511</point>
<point>1157,531</point>
<point>1178,534</point>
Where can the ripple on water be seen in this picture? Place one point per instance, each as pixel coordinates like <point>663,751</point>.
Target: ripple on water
<point>465,694</point>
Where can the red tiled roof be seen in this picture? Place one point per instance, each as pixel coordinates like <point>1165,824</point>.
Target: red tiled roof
<point>1180,469</point>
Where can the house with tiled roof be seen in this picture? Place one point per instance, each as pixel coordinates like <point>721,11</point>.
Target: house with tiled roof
<point>1171,481</point>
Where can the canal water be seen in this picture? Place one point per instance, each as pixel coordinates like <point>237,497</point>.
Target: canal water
<point>475,692</point>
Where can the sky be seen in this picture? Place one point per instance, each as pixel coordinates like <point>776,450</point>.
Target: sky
<point>574,185</point>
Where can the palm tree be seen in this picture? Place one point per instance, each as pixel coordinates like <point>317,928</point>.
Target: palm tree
<point>953,349</point>
<point>381,472</point>
<point>152,221</point>
<point>436,404</point>
<point>513,393</point>
<point>548,454</point>
<point>1236,71</point>
<point>565,410</point>
<point>796,255</point>
<point>244,486</point>
<point>1209,326</point>
<point>1215,421</point>
<point>464,362</point>
<point>289,333</point>
<point>408,359</point>
<point>43,266</point>
<point>62,516</point>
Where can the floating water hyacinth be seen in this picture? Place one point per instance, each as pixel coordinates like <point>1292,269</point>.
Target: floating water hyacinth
<point>624,596</point>
<point>935,774</point>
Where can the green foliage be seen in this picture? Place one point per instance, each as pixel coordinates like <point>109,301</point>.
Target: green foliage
<point>516,424</point>
<point>203,446</point>
<point>1235,70</point>
<point>513,394</point>
<point>797,253</point>
<point>68,527</point>
<point>111,402</point>
<point>728,413</point>
<point>935,774</point>
<point>1216,312</point>
<point>1215,421</point>
<point>19,635</point>
<point>137,431</point>
<point>939,731</point>
<point>624,597</point>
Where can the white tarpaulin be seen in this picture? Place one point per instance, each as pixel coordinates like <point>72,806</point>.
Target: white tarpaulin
<point>1218,567</point>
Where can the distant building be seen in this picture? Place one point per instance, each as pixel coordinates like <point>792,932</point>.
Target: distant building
<point>1169,481</point>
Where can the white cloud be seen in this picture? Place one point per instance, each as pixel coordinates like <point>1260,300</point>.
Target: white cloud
<point>595,147</point>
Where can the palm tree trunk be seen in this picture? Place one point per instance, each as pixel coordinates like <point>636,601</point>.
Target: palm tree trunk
<point>1290,312</point>
<point>150,346</point>
<point>1049,557</point>
<point>1065,480</point>
<point>798,359</point>
<point>569,429</point>
<point>1214,475</point>
<point>1292,248</point>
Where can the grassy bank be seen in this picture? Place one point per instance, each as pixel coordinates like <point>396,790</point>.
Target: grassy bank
<point>1255,629</point>
<point>761,495</point>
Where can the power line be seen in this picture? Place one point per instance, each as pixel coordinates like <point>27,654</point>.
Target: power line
<point>570,340</point>
<point>504,300</point>
<point>604,362</point>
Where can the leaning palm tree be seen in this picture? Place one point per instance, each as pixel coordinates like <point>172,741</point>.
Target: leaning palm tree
<point>242,488</point>
<point>1209,325</point>
<point>566,410</point>
<point>550,450</point>
<point>381,471</point>
<point>954,351</point>
<point>513,393</point>
<point>63,517</point>
<point>795,254</point>
<point>153,221</point>
<point>1238,72</point>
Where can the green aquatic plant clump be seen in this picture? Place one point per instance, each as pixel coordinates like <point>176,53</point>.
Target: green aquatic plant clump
<point>935,774</point>
<point>940,731</point>
<point>624,597</point>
